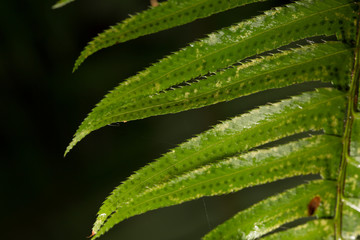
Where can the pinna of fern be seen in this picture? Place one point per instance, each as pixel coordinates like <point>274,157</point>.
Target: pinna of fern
<point>230,156</point>
<point>274,29</point>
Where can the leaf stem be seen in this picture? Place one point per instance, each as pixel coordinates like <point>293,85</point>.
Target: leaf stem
<point>351,108</point>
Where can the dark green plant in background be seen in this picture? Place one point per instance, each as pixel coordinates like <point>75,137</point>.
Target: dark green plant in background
<point>318,41</point>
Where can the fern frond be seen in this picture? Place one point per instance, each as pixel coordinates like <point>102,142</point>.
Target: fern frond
<point>260,126</point>
<point>167,15</point>
<point>220,50</point>
<point>235,154</point>
<point>275,211</point>
<point>61,3</point>
<point>312,230</point>
<point>311,63</point>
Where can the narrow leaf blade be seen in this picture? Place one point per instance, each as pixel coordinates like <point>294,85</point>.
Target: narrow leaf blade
<point>310,111</point>
<point>233,44</point>
<point>167,15</point>
<point>331,62</point>
<point>224,48</point>
<point>308,156</point>
<point>312,230</point>
<point>275,211</point>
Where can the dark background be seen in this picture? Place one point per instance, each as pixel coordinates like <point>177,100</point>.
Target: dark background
<point>47,196</point>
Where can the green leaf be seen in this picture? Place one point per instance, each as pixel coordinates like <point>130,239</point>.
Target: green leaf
<point>167,15</point>
<point>61,3</point>
<point>273,29</point>
<point>351,218</point>
<point>352,186</point>
<point>309,111</point>
<point>234,154</point>
<point>351,201</point>
<point>314,155</point>
<point>316,62</point>
<point>352,181</point>
<point>313,230</point>
<point>355,137</point>
<point>275,211</point>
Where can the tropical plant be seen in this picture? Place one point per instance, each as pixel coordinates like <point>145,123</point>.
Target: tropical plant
<point>235,61</point>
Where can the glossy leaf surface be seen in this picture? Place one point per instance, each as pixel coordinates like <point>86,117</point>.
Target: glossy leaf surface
<point>314,155</point>
<point>275,211</point>
<point>268,123</point>
<point>236,154</point>
<point>167,15</point>
<point>220,50</point>
<point>317,62</point>
<point>313,230</point>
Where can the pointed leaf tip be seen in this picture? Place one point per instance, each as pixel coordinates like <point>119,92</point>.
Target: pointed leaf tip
<point>158,17</point>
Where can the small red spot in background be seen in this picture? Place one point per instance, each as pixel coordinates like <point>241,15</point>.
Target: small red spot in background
<point>92,234</point>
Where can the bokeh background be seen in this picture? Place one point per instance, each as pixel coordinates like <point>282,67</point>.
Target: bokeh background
<point>47,196</point>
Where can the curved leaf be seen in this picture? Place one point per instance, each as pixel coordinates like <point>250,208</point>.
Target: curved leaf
<point>275,211</point>
<point>314,155</point>
<point>231,156</point>
<point>327,62</point>
<point>266,124</point>
<point>166,15</point>
<point>312,230</point>
<point>222,49</point>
